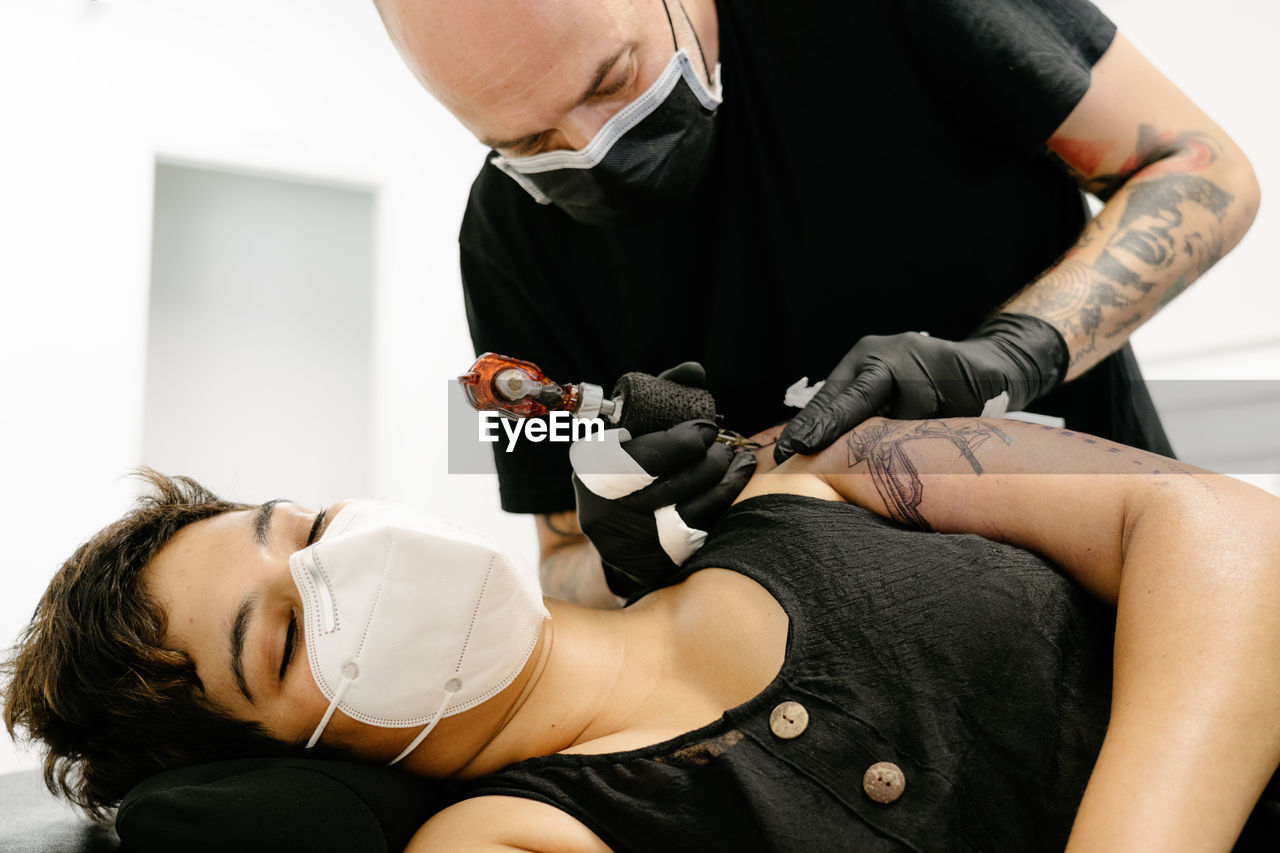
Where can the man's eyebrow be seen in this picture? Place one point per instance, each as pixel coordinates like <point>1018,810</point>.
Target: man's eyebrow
<point>602,71</point>
<point>239,628</point>
<point>262,522</point>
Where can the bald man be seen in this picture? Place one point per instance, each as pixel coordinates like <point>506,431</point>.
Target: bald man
<point>801,189</point>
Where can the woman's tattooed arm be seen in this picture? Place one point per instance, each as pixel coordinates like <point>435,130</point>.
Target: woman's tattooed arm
<point>945,475</point>
<point>883,447</point>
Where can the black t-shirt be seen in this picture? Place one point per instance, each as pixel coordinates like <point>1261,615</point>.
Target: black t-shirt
<point>877,169</point>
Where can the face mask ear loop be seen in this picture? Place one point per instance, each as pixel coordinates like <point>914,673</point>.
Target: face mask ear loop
<point>666,7</point>
<point>349,674</point>
<point>701,53</point>
<point>452,687</point>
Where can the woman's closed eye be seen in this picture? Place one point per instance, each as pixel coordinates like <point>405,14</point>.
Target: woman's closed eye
<point>290,643</point>
<point>314,533</point>
<point>291,633</point>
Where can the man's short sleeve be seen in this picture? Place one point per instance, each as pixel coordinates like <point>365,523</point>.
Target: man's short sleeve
<point>1009,70</point>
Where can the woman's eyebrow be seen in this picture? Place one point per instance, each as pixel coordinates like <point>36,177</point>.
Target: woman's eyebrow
<point>262,522</point>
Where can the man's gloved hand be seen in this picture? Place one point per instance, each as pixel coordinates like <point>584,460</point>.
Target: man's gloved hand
<point>647,502</point>
<point>916,376</point>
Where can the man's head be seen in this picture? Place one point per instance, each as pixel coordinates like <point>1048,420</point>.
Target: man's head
<point>94,677</point>
<point>527,76</point>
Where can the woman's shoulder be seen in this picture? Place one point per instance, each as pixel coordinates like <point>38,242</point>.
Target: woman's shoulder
<point>496,823</point>
<point>796,476</point>
<point>732,633</point>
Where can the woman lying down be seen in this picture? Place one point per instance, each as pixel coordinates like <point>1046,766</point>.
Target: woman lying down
<point>819,676</point>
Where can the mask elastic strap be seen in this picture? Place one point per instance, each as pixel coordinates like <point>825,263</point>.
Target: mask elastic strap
<point>452,687</point>
<point>350,672</point>
<point>702,54</point>
<point>670,25</point>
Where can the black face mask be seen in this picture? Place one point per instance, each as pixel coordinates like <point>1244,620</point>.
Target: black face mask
<point>650,155</point>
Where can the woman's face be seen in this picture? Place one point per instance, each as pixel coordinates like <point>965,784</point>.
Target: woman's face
<point>232,605</point>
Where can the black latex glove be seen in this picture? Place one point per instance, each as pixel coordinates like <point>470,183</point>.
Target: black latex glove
<point>916,376</point>
<point>645,531</point>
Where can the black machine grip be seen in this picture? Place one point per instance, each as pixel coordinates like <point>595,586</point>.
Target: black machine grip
<point>650,404</point>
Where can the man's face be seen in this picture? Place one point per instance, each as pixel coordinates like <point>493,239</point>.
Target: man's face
<point>527,76</point>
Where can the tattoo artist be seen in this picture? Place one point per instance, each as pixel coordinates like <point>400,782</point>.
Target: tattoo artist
<point>885,193</point>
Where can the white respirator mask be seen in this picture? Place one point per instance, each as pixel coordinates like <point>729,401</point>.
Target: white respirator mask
<point>409,619</point>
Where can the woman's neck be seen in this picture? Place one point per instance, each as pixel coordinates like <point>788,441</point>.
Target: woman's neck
<point>592,672</point>
<point>605,681</point>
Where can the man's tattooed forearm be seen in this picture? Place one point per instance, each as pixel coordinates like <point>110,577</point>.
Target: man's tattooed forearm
<point>1169,231</point>
<point>1149,251</point>
<point>882,446</point>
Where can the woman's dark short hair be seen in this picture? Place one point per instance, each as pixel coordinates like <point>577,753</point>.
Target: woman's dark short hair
<point>91,679</point>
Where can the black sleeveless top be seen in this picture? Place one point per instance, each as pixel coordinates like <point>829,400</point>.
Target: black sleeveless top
<point>973,666</point>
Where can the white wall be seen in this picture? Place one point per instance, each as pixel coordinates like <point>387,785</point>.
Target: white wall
<point>1224,55</point>
<point>94,92</point>
<point>259,335</point>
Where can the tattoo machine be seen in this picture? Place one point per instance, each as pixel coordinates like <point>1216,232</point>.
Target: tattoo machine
<point>640,403</point>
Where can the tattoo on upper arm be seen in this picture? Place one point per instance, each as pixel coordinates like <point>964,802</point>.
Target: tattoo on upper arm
<point>1105,298</point>
<point>575,574</point>
<point>882,446</point>
<point>547,520</point>
<point>561,576</point>
<point>1188,150</point>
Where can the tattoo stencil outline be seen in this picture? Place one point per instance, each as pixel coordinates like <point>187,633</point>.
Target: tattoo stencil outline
<point>882,446</point>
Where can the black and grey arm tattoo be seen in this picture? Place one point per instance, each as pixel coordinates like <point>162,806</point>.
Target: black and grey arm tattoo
<point>1158,244</point>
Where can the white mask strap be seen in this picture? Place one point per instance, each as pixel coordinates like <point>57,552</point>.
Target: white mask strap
<point>452,687</point>
<point>349,674</point>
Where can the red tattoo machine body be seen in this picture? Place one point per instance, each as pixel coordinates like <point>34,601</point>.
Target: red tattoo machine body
<point>639,403</point>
